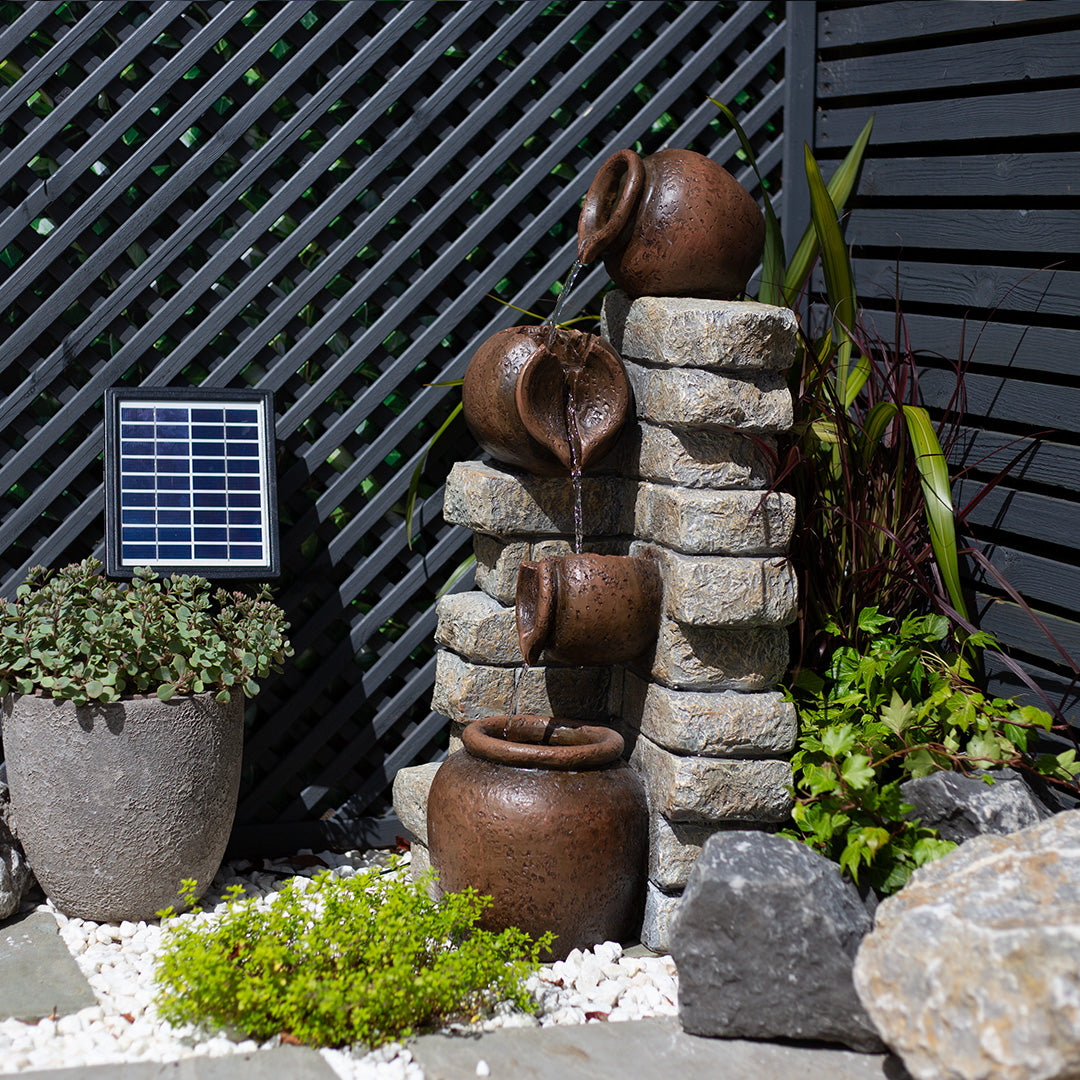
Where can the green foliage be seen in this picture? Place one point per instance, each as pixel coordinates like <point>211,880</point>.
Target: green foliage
<point>904,706</point>
<point>336,961</point>
<point>77,635</point>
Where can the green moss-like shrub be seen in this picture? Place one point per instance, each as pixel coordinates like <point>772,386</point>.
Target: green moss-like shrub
<point>337,961</point>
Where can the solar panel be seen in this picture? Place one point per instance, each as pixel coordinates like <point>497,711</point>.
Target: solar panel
<point>190,482</point>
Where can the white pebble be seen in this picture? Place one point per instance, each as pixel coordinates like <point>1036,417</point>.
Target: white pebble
<point>483,1068</point>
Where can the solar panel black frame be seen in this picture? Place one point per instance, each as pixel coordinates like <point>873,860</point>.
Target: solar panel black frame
<point>115,564</point>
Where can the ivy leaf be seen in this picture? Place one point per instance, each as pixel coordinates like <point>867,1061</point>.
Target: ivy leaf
<point>857,772</point>
<point>898,714</point>
<point>838,741</point>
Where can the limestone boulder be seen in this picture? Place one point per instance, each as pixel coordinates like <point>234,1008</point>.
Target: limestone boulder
<point>972,971</point>
<point>764,939</point>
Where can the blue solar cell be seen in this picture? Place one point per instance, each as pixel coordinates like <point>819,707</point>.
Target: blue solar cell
<point>245,517</point>
<point>241,416</point>
<point>172,449</point>
<point>242,551</point>
<point>243,465</point>
<point>239,499</point>
<point>174,534</point>
<point>210,498</point>
<point>174,551</point>
<point>207,465</point>
<point>132,534</point>
<point>243,483</point>
<point>210,517</point>
<point>137,498</point>
<point>173,483</point>
<point>136,431</point>
<point>207,482</point>
<point>206,416</point>
<point>137,517</point>
<point>133,465</point>
<point>137,482</point>
<point>171,416</point>
<point>243,431</point>
<point>244,536</point>
<point>133,552</point>
<point>144,448</point>
<point>208,449</point>
<point>173,498</point>
<point>169,465</point>
<point>206,431</point>
<point>174,517</point>
<point>211,551</point>
<point>173,431</point>
<point>244,449</point>
<point>130,413</point>
<point>210,533</point>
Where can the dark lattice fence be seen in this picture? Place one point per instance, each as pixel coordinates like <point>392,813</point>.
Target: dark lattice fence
<point>323,199</point>
<point>969,207</point>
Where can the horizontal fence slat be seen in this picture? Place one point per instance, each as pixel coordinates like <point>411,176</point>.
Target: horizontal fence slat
<point>1059,690</point>
<point>991,117</point>
<point>970,176</point>
<point>1043,518</point>
<point>1044,461</point>
<point>974,63</point>
<point>1046,583</point>
<point>1008,621</point>
<point>903,20</point>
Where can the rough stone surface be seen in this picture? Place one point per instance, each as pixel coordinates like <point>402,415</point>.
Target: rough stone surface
<point>961,807</point>
<point>464,691</point>
<point>704,791</point>
<point>729,335</point>
<point>711,590</point>
<point>692,398</point>
<point>702,522</point>
<point>660,908</point>
<point>697,458</point>
<point>15,876</point>
<point>498,559</point>
<point>115,805</point>
<point>479,628</point>
<point>503,503</point>
<point>701,658</point>
<point>971,970</point>
<point>765,939</point>
<point>673,850</point>
<point>410,794</point>
<point>725,724</point>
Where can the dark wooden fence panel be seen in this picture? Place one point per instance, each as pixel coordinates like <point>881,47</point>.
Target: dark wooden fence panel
<point>967,208</point>
<point>328,200</point>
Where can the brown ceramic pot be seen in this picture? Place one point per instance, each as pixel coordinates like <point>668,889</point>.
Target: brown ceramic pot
<point>587,609</point>
<point>515,393</point>
<point>546,818</point>
<point>673,224</point>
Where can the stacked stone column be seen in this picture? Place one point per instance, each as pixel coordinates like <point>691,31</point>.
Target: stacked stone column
<point>686,486</point>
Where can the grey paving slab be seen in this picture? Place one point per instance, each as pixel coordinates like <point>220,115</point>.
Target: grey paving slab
<point>282,1063</point>
<point>637,1050</point>
<point>37,973</point>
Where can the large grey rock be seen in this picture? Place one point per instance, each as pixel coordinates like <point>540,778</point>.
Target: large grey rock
<point>692,398</point>
<point>973,968</point>
<point>697,458</point>
<point>728,335</point>
<point>961,807</point>
<point>764,940</point>
<point>712,790</point>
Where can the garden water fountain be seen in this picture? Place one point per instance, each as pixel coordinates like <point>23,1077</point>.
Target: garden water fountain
<point>665,623</point>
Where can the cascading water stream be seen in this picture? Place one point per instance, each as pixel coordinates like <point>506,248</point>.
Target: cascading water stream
<point>552,321</point>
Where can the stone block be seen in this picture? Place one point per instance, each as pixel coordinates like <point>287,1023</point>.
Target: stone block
<point>725,724</point>
<point>410,794</point>
<point>465,691</point>
<point>673,849</point>
<point>692,398</point>
<point>722,591</point>
<point>420,864</point>
<point>497,560</point>
<point>703,522</point>
<point>660,909</point>
<point>703,790</point>
<point>479,628</point>
<point>697,458</point>
<point>702,658</point>
<point>729,335</point>
<point>503,503</point>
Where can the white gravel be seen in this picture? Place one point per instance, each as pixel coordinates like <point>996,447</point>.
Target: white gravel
<point>599,985</point>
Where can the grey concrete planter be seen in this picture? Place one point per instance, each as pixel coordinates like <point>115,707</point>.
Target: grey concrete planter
<point>116,804</point>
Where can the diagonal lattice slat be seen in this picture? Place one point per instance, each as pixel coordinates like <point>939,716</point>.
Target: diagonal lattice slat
<point>322,199</point>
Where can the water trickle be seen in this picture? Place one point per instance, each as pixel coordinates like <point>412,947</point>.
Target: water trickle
<point>553,320</point>
<point>575,462</point>
<point>515,700</point>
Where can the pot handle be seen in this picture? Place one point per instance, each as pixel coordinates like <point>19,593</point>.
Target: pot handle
<point>598,226</point>
<point>534,608</point>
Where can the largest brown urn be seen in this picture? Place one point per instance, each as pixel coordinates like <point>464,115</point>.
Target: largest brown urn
<point>546,818</point>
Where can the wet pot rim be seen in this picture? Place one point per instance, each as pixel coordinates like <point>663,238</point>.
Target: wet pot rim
<point>541,742</point>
